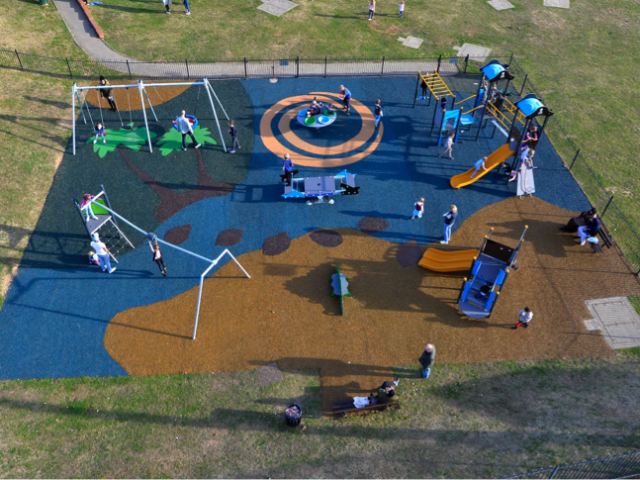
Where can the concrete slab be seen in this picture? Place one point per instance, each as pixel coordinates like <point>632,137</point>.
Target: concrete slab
<point>474,51</point>
<point>411,42</point>
<point>617,320</point>
<point>557,3</point>
<point>277,7</point>
<point>501,4</point>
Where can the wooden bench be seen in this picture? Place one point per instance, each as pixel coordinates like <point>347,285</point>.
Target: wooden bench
<point>606,238</point>
<point>596,248</point>
<point>341,410</point>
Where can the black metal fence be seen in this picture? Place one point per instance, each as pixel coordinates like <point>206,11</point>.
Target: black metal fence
<point>614,219</point>
<point>618,466</point>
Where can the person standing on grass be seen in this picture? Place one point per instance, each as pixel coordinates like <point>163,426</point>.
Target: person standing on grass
<point>99,130</point>
<point>525,317</point>
<point>233,131</point>
<point>401,9</point>
<point>157,257</point>
<point>346,97</point>
<point>184,126</point>
<point>377,112</point>
<point>107,92</point>
<point>186,7</point>
<point>372,9</point>
<point>448,146</point>
<point>427,360</point>
<point>418,209</point>
<point>479,165</point>
<point>167,5</point>
<point>287,169</point>
<point>449,220</point>
<point>103,254</point>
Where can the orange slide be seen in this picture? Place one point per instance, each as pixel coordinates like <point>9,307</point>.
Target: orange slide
<point>440,261</point>
<point>495,159</point>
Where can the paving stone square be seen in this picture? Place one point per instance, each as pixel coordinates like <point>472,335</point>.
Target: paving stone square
<point>277,7</point>
<point>411,42</point>
<point>557,3</point>
<point>474,51</point>
<point>501,4</point>
<point>617,320</point>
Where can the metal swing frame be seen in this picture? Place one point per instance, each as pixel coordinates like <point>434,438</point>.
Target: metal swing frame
<point>75,90</point>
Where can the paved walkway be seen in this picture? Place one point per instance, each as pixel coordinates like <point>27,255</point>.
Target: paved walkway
<point>86,37</point>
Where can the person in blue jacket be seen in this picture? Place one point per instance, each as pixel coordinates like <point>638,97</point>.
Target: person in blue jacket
<point>449,220</point>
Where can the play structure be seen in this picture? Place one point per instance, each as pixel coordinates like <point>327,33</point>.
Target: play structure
<point>489,271</point>
<point>77,91</point>
<point>441,261</point>
<point>152,237</point>
<point>106,225</point>
<point>340,285</point>
<point>324,119</point>
<point>493,160</point>
<point>319,189</point>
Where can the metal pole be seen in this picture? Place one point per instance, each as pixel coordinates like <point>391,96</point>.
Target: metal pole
<point>69,67</point>
<point>106,199</point>
<point>245,68</point>
<point>510,60</point>
<point>382,71</point>
<point>216,97</point>
<point>129,68</point>
<point>195,325</point>
<point>19,61</point>
<point>81,109</point>
<point>439,60</point>
<point>144,113</point>
<point>574,159</point>
<point>226,250</point>
<point>151,106</point>
<point>526,75</point>
<point>187,64</point>
<point>206,82</point>
<point>73,116</point>
<point>466,63</point>
<point>605,208</point>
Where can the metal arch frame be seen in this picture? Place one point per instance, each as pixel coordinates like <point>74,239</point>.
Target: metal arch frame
<point>153,237</point>
<point>143,93</point>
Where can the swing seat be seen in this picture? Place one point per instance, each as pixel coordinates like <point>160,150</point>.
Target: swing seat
<point>192,120</point>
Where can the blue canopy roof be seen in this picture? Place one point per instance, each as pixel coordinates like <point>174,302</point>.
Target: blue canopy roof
<point>531,106</point>
<point>492,70</point>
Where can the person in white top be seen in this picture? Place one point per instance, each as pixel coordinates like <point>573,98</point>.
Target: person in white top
<point>184,126</point>
<point>103,254</point>
<point>525,317</point>
<point>401,9</point>
<point>418,209</point>
<point>448,146</point>
<point>157,257</point>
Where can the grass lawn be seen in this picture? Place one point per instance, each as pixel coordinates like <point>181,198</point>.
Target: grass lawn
<point>467,421</point>
<point>580,59</point>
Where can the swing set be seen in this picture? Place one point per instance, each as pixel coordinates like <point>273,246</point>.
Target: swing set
<point>79,94</point>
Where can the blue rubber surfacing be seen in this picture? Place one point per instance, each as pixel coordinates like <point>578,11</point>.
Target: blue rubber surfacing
<point>53,321</point>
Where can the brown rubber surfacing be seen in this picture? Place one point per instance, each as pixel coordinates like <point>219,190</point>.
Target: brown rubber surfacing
<point>285,313</point>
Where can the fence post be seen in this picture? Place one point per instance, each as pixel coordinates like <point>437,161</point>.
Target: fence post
<point>186,62</point>
<point>297,66</point>
<point>605,208</point>
<point>555,470</point>
<point>574,159</point>
<point>466,62</point>
<point>382,71</point>
<point>325,67</point>
<point>526,75</point>
<point>19,61</point>
<point>69,67</point>
<point>439,60</point>
<point>510,60</point>
<point>245,68</point>
<point>129,68</point>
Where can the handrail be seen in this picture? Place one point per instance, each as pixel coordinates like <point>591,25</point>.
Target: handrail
<point>462,101</point>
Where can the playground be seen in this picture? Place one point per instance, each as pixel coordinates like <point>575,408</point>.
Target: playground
<point>64,318</point>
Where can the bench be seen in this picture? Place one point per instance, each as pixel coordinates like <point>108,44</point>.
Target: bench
<point>596,248</point>
<point>606,238</point>
<point>339,409</point>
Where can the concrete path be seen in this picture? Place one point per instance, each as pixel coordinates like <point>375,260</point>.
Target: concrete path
<point>86,37</point>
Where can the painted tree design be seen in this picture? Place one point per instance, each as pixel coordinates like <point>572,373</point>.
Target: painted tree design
<point>172,140</point>
<point>133,139</point>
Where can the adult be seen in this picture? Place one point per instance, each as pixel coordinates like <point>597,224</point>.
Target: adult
<point>525,317</point>
<point>107,92</point>
<point>103,254</point>
<point>233,131</point>
<point>479,165</point>
<point>578,221</point>
<point>372,9</point>
<point>355,402</point>
<point>387,393</point>
<point>185,128</point>
<point>287,169</point>
<point>427,359</point>
<point>590,229</point>
<point>377,112</point>
<point>346,97</point>
<point>314,109</point>
<point>187,10</point>
<point>449,220</point>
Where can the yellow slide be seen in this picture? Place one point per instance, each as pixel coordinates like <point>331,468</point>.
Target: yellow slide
<point>495,159</point>
<point>440,261</point>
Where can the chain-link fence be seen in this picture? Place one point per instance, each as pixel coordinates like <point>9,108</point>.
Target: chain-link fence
<point>618,466</point>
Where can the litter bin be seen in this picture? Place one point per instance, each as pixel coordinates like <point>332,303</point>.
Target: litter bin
<point>293,415</point>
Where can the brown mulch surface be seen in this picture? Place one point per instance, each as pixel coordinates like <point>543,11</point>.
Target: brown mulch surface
<point>157,95</point>
<point>269,374</point>
<point>276,244</point>
<point>326,238</point>
<point>285,313</point>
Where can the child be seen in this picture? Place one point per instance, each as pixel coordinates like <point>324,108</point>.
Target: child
<point>418,209</point>
<point>377,112</point>
<point>372,9</point>
<point>93,258</point>
<point>479,165</point>
<point>401,9</point>
<point>448,146</point>
<point>85,207</point>
<point>157,257</point>
<point>443,103</point>
<point>99,129</point>
<point>233,131</point>
<point>167,5</point>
